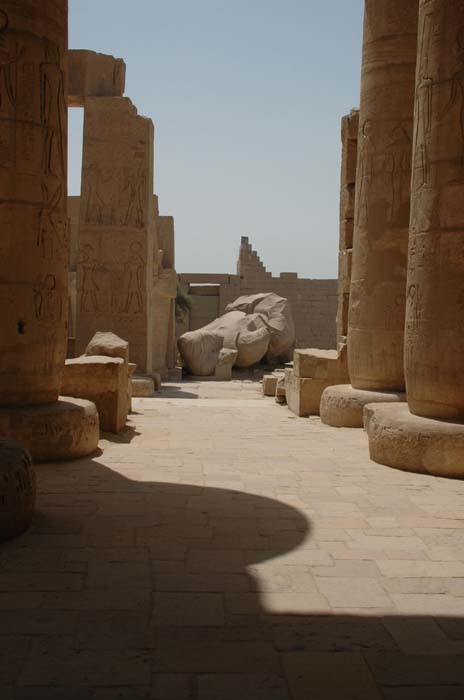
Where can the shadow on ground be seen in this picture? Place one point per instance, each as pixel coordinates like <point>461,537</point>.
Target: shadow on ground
<point>134,590</point>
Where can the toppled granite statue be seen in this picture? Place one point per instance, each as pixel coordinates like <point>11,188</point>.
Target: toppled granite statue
<point>258,327</point>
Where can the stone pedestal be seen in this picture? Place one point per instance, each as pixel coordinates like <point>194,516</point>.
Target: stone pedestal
<point>342,406</point>
<point>17,489</point>
<point>65,429</point>
<point>313,371</point>
<point>378,283</point>
<point>402,440</point>
<point>104,381</point>
<point>429,436</point>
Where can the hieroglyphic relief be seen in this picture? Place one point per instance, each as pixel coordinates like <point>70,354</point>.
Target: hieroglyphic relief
<point>33,122</point>
<point>115,232</point>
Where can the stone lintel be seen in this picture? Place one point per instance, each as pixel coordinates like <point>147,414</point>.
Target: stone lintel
<point>94,74</point>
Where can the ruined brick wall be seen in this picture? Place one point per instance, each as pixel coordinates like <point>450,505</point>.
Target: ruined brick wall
<point>314,302</point>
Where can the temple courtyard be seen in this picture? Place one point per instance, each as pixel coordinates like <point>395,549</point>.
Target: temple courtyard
<point>222,548</point>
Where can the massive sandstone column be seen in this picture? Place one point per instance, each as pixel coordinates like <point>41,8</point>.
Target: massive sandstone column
<point>435,307</point>
<point>434,336</point>
<point>33,224</point>
<point>33,235</point>
<point>378,277</point>
<point>378,282</point>
<point>116,227</point>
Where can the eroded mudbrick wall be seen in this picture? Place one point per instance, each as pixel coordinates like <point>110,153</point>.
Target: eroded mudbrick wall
<point>314,302</point>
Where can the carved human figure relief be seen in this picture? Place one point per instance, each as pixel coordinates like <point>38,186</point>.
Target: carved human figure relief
<point>456,95</point>
<point>47,301</point>
<point>424,97</point>
<point>89,290</point>
<point>53,111</point>
<point>7,66</point>
<point>134,274</point>
<point>365,172</point>
<point>398,165</point>
<point>49,236</point>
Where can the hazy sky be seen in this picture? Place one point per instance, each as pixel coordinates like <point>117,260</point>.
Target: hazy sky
<point>246,97</point>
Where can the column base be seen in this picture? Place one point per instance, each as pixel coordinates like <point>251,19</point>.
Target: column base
<point>342,405</point>
<point>399,439</point>
<point>66,429</point>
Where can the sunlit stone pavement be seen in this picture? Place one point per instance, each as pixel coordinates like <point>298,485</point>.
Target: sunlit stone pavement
<point>222,548</point>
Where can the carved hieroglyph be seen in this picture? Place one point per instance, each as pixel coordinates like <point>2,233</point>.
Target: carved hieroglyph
<point>434,338</point>
<point>378,285</point>
<point>116,231</point>
<point>33,222</point>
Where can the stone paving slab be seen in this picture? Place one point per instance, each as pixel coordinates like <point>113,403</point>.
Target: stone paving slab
<point>223,548</point>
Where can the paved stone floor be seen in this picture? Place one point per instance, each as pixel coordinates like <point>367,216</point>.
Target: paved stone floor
<point>223,549</point>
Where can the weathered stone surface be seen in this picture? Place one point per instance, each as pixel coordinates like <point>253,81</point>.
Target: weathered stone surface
<point>321,364</point>
<point>142,387</point>
<point>269,384</point>
<point>278,318</point>
<point>102,380</point>
<point>256,327</point>
<point>342,406</point>
<point>225,362</point>
<point>303,395</point>
<point>434,335</point>
<point>94,74</point>
<point>377,304</point>
<point>313,371</point>
<point>65,429</point>
<point>117,232</point>
<point>108,344</point>
<point>17,489</point>
<point>281,389</point>
<point>33,219</point>
<point>402,440</point>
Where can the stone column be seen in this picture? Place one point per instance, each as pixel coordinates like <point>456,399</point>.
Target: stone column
<point>33,234</point>
<point>116,227</point>
<point>33,220</point>
<point>434,336</point>
<point>349,134</point>
<point>378,281</point>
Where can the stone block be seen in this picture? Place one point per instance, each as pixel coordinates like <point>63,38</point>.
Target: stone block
<point>269,384</point>
<point>58,431</point>
<point>109,345</point>
<point>92,74</point>
<point>345,258</point>
<point>225,363</point>
<point>17,489</point>
<point>142,387</point>
<point>347,200</point>
<point>280,393</point>
<point>346,234</point>
<point>304,394</point>
<point>321,364</point>
<point>102,380</point>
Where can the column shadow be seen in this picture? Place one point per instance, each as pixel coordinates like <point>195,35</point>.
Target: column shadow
<point>162,591</point>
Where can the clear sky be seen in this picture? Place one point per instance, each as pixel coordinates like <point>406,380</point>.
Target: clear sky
<point>246,97</point>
